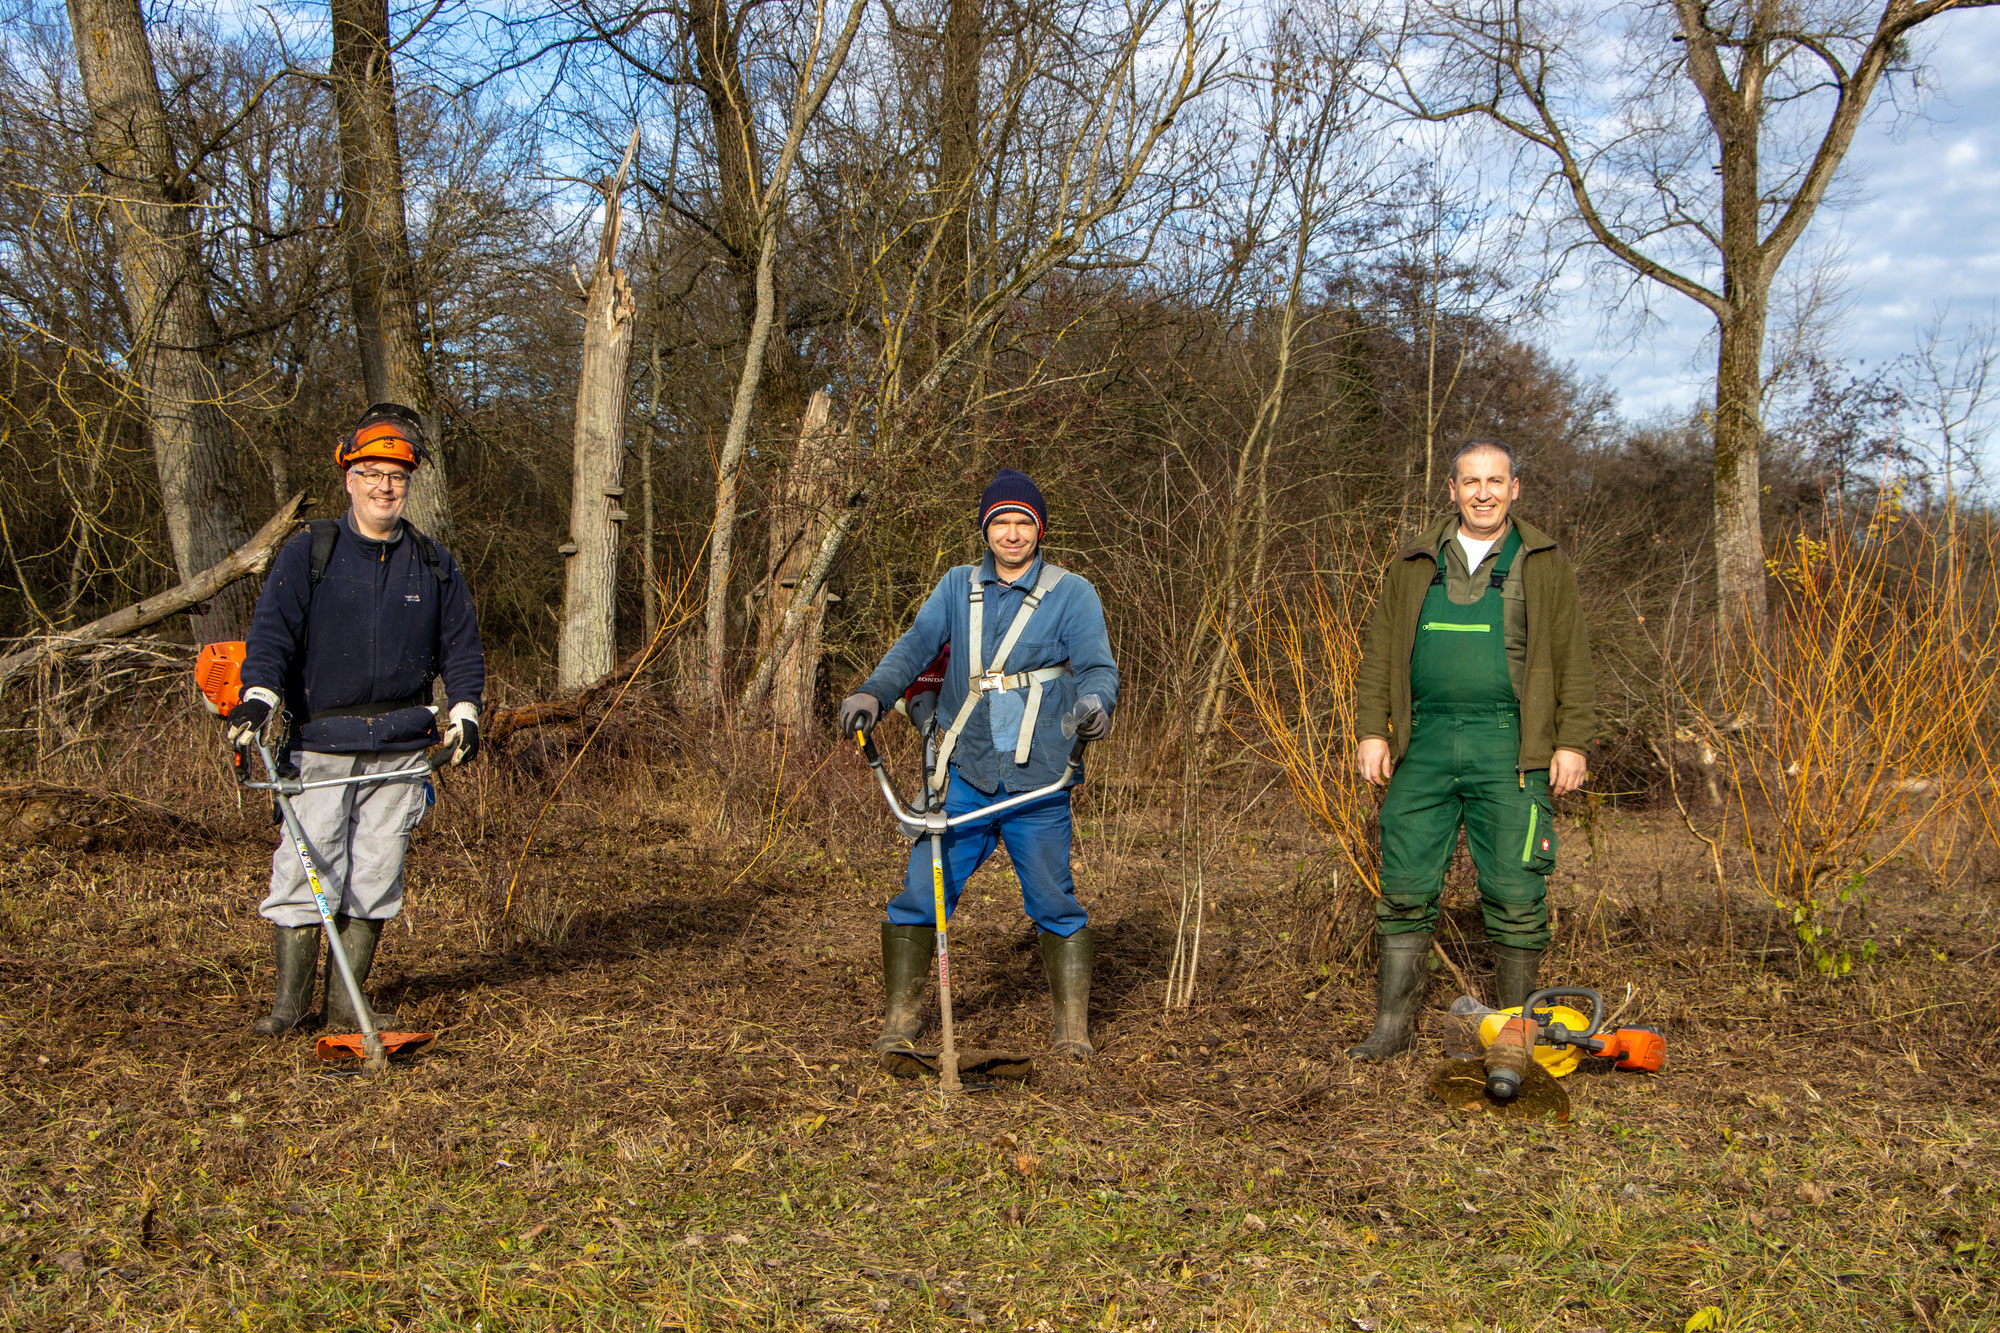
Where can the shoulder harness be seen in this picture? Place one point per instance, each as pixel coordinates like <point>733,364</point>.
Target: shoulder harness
<point>983,679</point>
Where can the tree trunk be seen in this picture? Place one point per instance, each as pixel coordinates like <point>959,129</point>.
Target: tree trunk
<point>1739,534</point>
<point>589,646</point>
<point>1739,373</point>
<point>806,503</point>
<point>166,298</point>
<point>381,274</point>
<point>964,49</point>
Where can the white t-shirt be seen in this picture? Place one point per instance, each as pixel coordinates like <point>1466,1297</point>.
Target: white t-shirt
<point>1475,551</point>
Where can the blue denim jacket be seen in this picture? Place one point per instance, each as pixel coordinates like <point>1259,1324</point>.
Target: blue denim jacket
<point>1067,628</point>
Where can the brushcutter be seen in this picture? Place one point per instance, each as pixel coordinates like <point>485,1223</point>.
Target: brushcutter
<point>931,821</point>
<point>1529,1047</point>
<point>374,1047</point>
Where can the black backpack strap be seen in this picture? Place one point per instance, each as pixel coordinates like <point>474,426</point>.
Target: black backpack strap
<point>428,549</point>
<point>325,531</point>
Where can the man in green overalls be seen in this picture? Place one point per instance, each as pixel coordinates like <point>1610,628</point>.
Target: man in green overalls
<point>1475,694</point>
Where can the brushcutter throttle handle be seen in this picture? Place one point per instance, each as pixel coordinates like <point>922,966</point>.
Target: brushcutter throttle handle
<point>866,740</point>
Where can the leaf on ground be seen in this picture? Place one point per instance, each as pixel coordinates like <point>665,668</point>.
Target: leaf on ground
<point>1708,1316</point>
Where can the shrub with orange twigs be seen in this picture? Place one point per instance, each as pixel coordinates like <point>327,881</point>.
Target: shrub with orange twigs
<point>1857,721</point>
<point>1296,668</point>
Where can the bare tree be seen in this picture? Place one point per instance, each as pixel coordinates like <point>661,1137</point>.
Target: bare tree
<point>1301,185</point>
<point>171,328</point>
<point>589,646</point>
<point>382,276</point>
<point>1692,143</point>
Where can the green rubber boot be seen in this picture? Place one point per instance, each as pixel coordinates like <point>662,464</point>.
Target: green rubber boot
<point>906,964</point>
<point>358,936</point>
<point>296,949</point>
<point>1399,988</point>
<point>1067,961</point>
<point>1515,974</point>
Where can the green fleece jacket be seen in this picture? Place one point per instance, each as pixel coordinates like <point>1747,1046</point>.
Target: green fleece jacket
<point>1548,653</point>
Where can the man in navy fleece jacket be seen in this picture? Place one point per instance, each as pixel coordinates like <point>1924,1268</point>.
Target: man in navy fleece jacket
<point>350,652</point>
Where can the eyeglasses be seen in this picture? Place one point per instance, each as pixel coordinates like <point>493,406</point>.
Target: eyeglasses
<point>395,481</point>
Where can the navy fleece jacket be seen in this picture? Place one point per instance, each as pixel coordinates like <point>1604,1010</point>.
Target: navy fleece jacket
<point>380,628</point>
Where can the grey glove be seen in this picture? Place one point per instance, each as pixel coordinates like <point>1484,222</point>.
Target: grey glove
<point>1093,722</point>
<point>858,713</point>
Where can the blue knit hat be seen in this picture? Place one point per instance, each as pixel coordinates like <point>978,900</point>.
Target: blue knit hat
<point>1012,491</point>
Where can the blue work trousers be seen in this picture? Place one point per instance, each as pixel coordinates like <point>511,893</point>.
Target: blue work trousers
<point>1037,836</point>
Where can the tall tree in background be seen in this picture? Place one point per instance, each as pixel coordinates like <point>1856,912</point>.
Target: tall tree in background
<point>1692,142</point>
<point>381,273</point>
<point>169,324</point>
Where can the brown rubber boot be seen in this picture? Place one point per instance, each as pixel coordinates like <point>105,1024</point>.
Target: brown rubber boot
<point>358,936</point>
<point>906,964</point>
<point>296,949</point>
<point>1067,961</point>
<point>1400,975</point>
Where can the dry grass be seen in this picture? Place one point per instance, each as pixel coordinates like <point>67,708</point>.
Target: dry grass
<point>657,1111</point>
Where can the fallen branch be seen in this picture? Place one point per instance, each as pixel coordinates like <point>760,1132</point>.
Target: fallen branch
<point>504,722</point>
<point>253,557</point>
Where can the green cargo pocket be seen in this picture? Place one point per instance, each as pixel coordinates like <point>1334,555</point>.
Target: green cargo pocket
<point>1538,847</point>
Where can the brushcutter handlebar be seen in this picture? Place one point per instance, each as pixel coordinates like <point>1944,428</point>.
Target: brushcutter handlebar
<point>427,764</point>
<point>914,824</point>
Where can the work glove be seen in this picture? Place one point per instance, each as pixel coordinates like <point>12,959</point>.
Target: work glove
<point>858,713</point>
<point>1093,722</point>
<point>247,720</point>
<point>461,739</point>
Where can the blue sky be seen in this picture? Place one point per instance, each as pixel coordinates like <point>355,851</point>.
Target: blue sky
<point>1918,230</point>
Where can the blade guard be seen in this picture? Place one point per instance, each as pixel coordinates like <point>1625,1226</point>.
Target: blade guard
<point>347,1045</point>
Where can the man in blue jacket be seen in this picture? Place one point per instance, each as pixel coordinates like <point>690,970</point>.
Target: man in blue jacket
<point>357,619</point>
<point>1028,645</point>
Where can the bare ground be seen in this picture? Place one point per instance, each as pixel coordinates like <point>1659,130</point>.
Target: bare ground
<point>650,1105</point>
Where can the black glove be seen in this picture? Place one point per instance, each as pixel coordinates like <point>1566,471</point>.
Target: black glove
<point>461,739</point>
<point>1093,723</point>
<point>858,713</point>
<point>246,722</point>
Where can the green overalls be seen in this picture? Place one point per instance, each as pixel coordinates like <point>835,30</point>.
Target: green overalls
<point>1465,740</point>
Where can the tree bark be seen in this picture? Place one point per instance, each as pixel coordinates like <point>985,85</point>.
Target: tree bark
<point>805,507</point>
<point>1739,437</point>
<point>381,274</point>
<point>172,328</point>
<point>589,645</point>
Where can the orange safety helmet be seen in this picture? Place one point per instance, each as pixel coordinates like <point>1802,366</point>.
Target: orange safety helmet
<point>389,431</point>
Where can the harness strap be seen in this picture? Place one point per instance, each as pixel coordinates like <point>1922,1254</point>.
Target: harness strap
<point>1498,578</point>
<point>981,679</point>
<point>380,708</point>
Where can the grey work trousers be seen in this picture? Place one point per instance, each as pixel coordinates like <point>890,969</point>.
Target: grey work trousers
<point>356,835</point>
